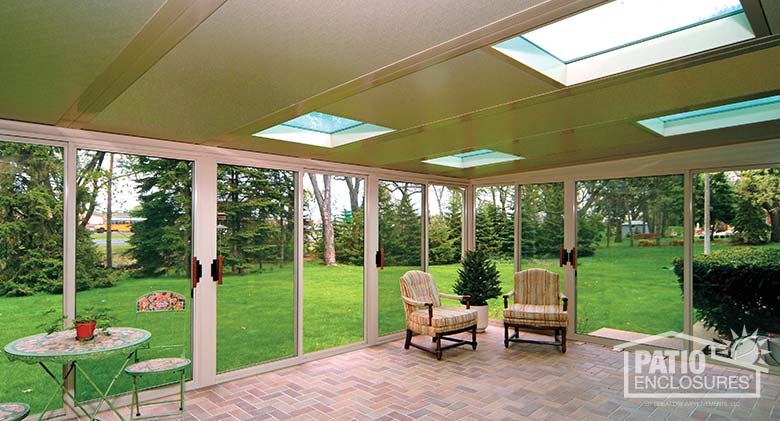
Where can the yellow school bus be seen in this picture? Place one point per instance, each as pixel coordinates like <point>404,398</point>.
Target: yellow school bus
<point>124,224</point>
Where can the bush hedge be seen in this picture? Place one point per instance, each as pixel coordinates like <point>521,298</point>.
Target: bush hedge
<point>736,287</point>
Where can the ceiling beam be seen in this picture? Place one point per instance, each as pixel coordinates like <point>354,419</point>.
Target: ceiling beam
<point>172,22</point>
<point>508,27</point>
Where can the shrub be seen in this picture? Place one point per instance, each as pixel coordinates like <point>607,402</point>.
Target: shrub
<point>736,287</point>
<point>676,242</point>
<point>477,277</point>
<point>647,243</point>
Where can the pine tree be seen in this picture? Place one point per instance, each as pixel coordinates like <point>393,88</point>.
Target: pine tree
<point>478,277</point>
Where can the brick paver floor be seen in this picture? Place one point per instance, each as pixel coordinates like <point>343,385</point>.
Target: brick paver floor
<point>525,381</point>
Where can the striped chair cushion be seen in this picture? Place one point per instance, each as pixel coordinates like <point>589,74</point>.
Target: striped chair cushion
<point>537,286</point>
<point>541,315</point>
<point>419,286</point>
<point>443,317</point>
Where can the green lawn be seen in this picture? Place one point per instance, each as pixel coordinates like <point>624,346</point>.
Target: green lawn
<point>620,287</point>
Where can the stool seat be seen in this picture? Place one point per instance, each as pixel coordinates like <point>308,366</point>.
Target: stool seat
<point>13,411</point>
<point>157,365</point>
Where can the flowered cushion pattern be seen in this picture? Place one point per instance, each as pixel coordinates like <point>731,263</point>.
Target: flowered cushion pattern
<point>13,411</point>
<point>539,315</point>
<point>160,301</point>
<point>157,365</point>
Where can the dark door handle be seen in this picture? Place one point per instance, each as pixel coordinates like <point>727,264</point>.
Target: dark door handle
<point>216,270</point>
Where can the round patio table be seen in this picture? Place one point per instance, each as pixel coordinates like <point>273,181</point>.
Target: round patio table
<point>63,348</point>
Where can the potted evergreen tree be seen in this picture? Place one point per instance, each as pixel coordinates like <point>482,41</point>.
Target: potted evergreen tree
<point>478,277</point>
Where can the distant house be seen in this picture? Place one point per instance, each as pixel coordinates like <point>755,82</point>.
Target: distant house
<point>636,227</point>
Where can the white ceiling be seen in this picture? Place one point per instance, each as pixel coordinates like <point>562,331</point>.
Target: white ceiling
<point>216,71</point>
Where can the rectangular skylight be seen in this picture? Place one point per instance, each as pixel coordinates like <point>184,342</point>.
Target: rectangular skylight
<point>473,159</point>
<point>321,122</point>
<point>729,115</point>
<point>325,130</point>
<point>626,34</point>
<point>621,23</point>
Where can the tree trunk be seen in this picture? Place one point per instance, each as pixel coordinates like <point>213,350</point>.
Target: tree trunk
<point>774,217</point>
<point>109,212</point>
<point>323,202</point>
<point>609,231</point>
<point>281,241</point>
<point>354,192</point>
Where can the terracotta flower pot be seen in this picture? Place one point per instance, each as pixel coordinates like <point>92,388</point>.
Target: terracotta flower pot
<point>85,330</point>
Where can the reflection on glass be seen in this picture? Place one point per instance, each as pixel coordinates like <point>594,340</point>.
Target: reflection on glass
<point>134,229</point>
<point>31,231</point>
<point>333,268</point>
<point>256,239</point>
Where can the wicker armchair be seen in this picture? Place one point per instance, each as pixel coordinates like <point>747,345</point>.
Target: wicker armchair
<point>426,316</point>
<point>537,305</point>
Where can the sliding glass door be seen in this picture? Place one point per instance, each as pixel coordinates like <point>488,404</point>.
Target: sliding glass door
<point>256,250</point>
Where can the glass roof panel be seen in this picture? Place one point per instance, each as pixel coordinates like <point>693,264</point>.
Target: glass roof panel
<point>321,122</point>
<point>624,22</point>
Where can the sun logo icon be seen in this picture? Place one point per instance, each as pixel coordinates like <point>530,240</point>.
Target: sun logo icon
<point>748,348</point>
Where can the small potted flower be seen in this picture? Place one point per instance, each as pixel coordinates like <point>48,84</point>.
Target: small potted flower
<point>85,322</point>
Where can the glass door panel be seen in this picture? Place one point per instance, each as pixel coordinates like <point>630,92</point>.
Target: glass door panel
<point>445,234</point>
<point>629,235</point>
<point>400,237</point>
<point>256,241</point>
<point>737,237</point>
<point>541,227</point>
<point>333,274</point>
<point>31,238</point>
<point>134,236</point>
<point>495,233</point>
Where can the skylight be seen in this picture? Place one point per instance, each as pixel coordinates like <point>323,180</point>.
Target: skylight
<point>473,159</point>
<point>325,130</point>
<point>627,34</point>
<point>729,115</point>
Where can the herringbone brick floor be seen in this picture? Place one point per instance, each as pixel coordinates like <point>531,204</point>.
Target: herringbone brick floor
<point>525,381</point>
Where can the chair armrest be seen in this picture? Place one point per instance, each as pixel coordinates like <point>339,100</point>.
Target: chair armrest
<point>415,303</point>
<point>420,304</point>
<point>565,300</point>
<point>458,297</point>
<point>506,296</point>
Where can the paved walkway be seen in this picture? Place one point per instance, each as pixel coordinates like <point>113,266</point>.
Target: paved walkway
<point>524,382</point>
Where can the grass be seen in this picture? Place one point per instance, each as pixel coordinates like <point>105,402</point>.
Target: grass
<point>620,287</point>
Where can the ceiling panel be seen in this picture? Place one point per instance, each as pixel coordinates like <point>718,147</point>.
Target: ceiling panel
<point>53,49</point>
<point>252,58</point>
<point>460,85</point>
<point>576,108</point>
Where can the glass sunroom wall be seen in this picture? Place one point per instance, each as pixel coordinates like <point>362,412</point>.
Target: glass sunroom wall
<point>256,240</point>
<point>628,241</point>
<point>494,232</point>
<point>134,236</point>
<point>735,280</point>
<point>541,227</point>
<point>333,272</point>
<point>445,233</point>
<point>400,236</point>
<point>31,261</point>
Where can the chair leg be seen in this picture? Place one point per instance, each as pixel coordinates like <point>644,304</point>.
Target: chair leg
<point>474,338</point>
<point>438,346</point>
<point>135,399</point>
<point>506,335</point>
<point>563,340</point>
<point>408,339</point>
<point>181,396</point>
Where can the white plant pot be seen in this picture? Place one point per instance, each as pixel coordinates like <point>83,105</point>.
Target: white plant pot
<point>482,317</point>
